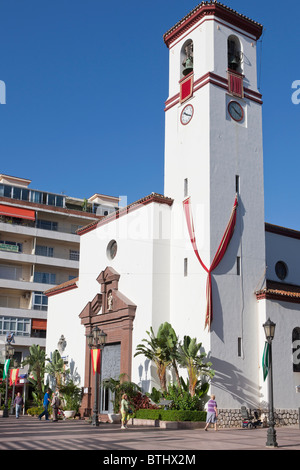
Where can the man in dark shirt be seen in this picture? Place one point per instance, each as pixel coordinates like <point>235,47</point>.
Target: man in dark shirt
<point>18,401</point>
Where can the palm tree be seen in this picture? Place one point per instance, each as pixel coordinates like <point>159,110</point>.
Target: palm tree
<point>56,367</point>
<point>155,350</point>
<point>36,362</point>
<point>168,340</point>
<point>190,357</point>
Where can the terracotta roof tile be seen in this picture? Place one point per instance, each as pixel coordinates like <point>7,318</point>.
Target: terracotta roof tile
<point>65,286</point>
<point>279,291</point>
<point>154,197</point>
<point>219,10</point>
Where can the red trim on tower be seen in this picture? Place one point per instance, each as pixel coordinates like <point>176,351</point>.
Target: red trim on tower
<point>217,80</point>
<point>219,11</point>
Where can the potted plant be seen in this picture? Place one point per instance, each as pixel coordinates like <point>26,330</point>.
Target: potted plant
<point>72,396</point>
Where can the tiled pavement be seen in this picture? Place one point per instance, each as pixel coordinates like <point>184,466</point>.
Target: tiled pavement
<point>28,433</point>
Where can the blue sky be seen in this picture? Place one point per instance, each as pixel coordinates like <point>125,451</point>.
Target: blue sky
<point>86,82</point>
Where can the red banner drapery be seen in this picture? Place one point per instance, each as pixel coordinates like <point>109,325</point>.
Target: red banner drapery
<point>13,376</point>
<point>218,256</point>
<point>235,84</point>
<point>95,353</point>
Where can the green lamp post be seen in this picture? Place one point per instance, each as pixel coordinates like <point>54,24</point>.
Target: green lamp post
<point>269,328</point>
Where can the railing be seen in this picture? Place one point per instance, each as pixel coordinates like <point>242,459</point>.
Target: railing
<point>53,226</point>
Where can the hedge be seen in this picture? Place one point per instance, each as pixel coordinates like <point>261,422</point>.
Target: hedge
<point>35,411</point>
<point>171,415</point>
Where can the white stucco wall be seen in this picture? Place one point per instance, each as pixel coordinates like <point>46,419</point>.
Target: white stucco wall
<point>142,261</point>
<point>63,311</point>
<point>286,249</point>
<point>286,315</point>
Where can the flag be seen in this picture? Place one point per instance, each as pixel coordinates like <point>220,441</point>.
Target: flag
<point>95,360</point>
<point>5,368</point>
<point>13,376</point>
<point>265,360</point>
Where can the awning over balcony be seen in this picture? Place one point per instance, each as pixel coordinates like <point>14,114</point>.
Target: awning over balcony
<point>38,324</point>
<point>18,212</point>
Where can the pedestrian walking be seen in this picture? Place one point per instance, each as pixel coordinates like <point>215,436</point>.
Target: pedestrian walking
<point>18,402</point>
<point>212,413</point>
<point>55,403</point>
<point>46,402</point>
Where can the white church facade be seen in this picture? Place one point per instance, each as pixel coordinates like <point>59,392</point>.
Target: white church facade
<point>200,256</point>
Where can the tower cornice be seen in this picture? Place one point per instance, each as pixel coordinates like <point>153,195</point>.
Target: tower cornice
<point>218,10</point>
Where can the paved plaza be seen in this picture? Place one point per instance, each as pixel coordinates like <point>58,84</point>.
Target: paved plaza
<point>28,433</point>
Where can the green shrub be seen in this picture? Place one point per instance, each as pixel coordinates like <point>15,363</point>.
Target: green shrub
<point>171,415</point>
<point>35,410</point>
<point>183,415</point>
<point>182,399</point>
<point>8,404</point>
<point>72,396</point>
<point>147,414</point>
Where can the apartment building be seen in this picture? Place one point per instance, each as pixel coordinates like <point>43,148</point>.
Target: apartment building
<point>39,248</point>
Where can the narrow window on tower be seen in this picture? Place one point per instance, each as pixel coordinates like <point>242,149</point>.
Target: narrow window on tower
<point>239,347</point>
<point>237,184</point>
<point>185,267</point>
<point>238,265</point>
<point>234,53</point>
<point>187,58</point>
<point>185,187</point>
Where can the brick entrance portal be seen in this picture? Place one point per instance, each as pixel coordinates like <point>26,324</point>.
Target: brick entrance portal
<point>113,313</point>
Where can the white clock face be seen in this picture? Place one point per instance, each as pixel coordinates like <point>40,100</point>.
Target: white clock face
<point>236,111</point>
<point>187,114</point>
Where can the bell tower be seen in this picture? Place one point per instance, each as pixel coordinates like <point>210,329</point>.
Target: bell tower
<point>213,152</point>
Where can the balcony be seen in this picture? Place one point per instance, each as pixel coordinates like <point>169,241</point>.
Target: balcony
<point>22,313</point>
<point>25,324</point>
<point>26,258</point>
<point>65,235</point>
<point>21,284</point>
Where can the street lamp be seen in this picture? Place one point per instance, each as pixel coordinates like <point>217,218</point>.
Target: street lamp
<point>269,328</point>
<point>9,353</point>
<point>96,340</point>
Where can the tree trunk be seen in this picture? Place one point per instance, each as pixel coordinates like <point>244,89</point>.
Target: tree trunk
<point>176,374</point>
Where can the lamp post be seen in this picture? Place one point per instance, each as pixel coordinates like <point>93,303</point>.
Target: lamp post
<point>269,328</point>
<point>96,340</point>
<point>9,353</point>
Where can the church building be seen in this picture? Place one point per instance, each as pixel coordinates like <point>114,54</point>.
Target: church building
<point>200,256</point>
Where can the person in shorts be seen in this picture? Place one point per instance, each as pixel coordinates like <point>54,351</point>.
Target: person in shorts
<point>212,413</point>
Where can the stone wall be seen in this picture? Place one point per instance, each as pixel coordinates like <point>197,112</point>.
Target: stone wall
<point>233,418</point>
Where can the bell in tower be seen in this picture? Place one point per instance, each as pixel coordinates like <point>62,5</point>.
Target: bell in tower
<point>234,54</point>
<point>188,61</point>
